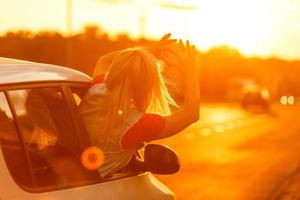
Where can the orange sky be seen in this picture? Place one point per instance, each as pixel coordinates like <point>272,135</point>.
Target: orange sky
<point>255,27</point>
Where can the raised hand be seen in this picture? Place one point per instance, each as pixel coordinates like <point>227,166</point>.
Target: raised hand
<point>180,66</point>
<point>162,46</point>
<point>184,59</point>
<point>188,59</point>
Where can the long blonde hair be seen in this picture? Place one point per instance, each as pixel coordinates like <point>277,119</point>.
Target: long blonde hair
<point>135,80</point>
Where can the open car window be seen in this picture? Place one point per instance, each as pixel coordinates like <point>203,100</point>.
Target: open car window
<point>11,145</point>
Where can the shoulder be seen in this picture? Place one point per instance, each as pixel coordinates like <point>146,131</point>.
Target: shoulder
<point>98,79</point>
<point>96,95</point>
<point>97,86</point>
<point>145,129</point>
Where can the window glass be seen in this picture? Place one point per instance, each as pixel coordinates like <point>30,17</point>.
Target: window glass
<point>49,136</point>
<point>11,146</point>
<point>78,94</point>
<point>77,99</point>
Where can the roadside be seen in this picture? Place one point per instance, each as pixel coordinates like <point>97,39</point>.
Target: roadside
<point>248,162</point>
<point>289,189</point>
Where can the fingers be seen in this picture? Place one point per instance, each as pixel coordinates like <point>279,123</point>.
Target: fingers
<point>181,52</point>
<point>181,46</point>
<point>188,47</point>
<point>162,45</point>
<point>188,44</point>
<point>166,40</point>
<point>165,37</point>
<point>171,41</point>
<point>193,50</point>
<point>188,52</point>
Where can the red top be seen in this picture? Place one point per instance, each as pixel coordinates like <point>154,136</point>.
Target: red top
<point>147,128</point>
<point>98,79</point>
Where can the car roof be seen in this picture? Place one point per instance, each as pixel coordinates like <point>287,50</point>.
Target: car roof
<point>20,71</point>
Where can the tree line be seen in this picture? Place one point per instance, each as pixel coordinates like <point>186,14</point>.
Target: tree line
<point>223,70</point>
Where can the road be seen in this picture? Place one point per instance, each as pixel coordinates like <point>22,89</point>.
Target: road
<point>235,155</point>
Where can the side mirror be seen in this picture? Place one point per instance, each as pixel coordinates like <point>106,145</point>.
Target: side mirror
<point>161,159</point>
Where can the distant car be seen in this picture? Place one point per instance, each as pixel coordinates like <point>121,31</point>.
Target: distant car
<point>43,137</point>
<point>255,98</point>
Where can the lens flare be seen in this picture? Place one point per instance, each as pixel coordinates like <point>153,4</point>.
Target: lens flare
<point>120,112</point>
<point>92,158</point>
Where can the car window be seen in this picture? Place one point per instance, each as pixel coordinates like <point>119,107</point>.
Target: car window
<point>49,138</point>
<point>77,99</point>
<point>11,146</point>
<point>41,142</point>
<point>78,93</point>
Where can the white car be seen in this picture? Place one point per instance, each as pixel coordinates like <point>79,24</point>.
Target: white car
<point>42,138</point>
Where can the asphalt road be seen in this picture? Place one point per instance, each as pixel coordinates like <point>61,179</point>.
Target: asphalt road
<point>235,155</point>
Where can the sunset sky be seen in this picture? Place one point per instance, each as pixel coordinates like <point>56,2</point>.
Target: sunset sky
<point>255,27</point>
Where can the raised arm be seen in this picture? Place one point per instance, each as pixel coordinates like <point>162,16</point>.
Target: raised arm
<point>189,112</point>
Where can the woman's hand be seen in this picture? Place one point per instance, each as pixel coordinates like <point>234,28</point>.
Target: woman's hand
<point>163,46</point>
<point>182,56</point>
<point>180,66</point>
<point>189,111</point>
<point>187,60</point>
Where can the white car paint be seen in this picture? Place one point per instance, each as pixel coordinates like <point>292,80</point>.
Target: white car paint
<point>144,186</point>
<point>17,71</point>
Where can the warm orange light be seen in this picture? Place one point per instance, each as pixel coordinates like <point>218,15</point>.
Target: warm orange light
<point>206,132</point>
<point>92,158</point>
<point>284,100</point>
<point>120,112</point>
<point>291,100</point>
<point>219,128</point>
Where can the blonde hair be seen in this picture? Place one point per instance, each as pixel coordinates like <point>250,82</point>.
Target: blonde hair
<point>135,80</point>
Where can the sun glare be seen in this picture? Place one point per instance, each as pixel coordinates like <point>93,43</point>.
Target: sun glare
<point>255,27</point>
<point>244,25</point>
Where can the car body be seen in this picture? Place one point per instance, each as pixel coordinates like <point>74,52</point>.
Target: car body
<point>255,98</point>
<point>42,136</point>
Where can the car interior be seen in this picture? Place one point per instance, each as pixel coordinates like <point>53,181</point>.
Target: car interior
<point>42,150</point>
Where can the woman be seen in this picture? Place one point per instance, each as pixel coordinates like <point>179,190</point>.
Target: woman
<point>131,104</point>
